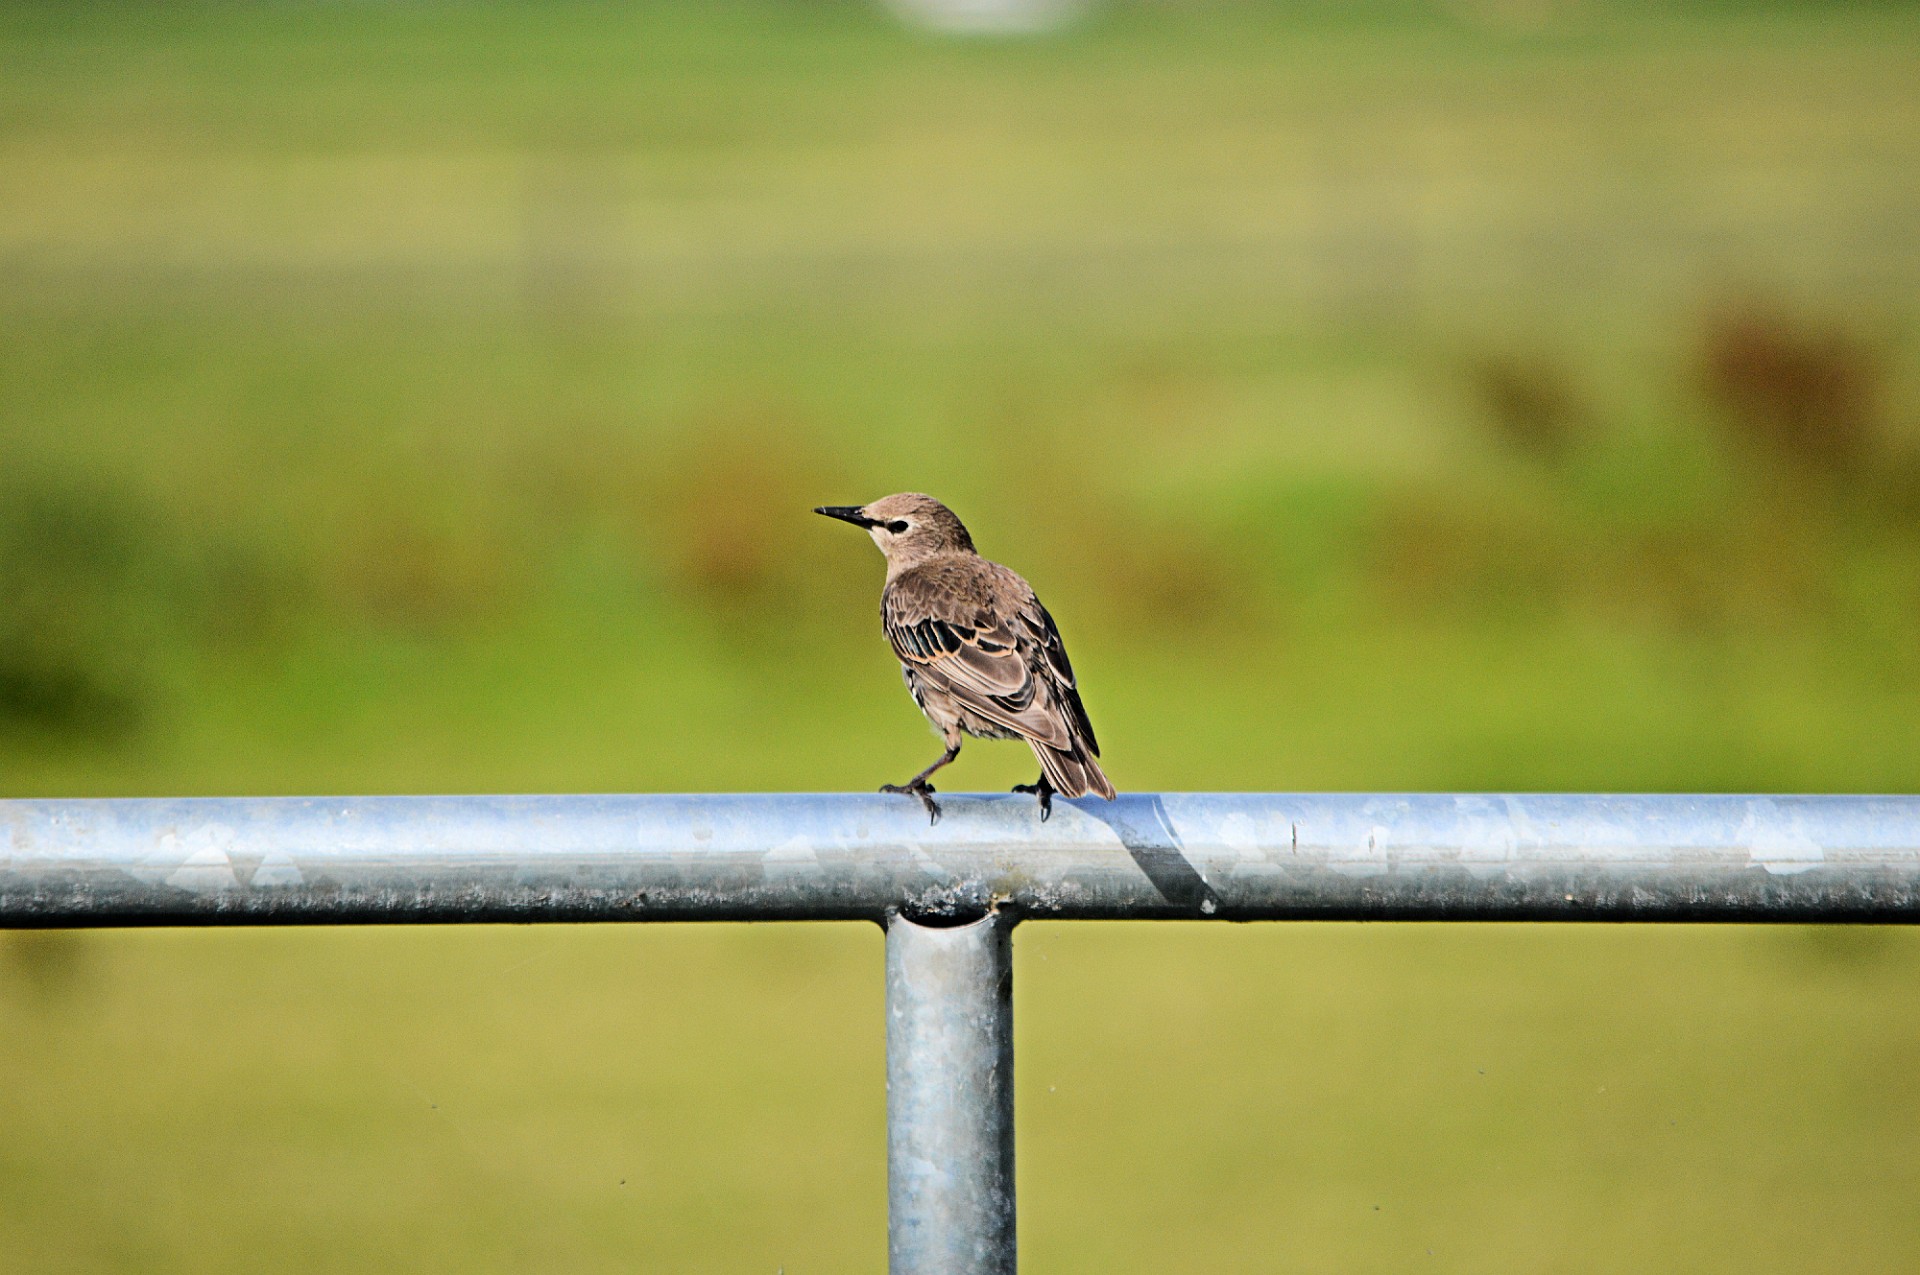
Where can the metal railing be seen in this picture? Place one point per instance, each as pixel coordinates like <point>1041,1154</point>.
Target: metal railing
<point>950,893</point>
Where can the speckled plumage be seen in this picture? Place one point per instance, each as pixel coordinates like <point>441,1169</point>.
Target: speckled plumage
<point>979,652</point>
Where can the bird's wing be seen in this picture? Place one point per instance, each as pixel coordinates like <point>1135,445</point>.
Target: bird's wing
<point>1059,671</point>
<point>1000,658</point>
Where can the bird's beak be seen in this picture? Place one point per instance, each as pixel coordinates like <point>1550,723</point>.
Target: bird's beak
<point>848,513</point>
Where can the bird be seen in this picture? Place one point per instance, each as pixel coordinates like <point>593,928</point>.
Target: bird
<point>980,655</point>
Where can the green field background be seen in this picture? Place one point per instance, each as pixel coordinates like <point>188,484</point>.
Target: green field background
<point>430,397</point>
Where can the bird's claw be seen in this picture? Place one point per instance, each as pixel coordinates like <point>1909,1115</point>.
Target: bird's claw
<point>924,791</point>
<point>1044,791</point>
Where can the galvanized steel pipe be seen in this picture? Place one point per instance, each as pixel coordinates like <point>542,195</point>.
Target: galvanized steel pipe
<point>949,895</point>
<point>950,1204</point>
<point>831,856</point>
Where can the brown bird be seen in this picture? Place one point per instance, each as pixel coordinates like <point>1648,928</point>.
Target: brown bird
<point>980,654</point>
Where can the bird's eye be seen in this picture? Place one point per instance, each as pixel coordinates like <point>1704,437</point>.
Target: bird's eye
<point>897,526</point>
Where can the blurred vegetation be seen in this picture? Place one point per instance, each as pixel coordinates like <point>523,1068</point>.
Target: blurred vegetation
<point>1471,395</point>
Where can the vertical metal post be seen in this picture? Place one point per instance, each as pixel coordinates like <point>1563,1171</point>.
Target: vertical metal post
<point>950,1098</point>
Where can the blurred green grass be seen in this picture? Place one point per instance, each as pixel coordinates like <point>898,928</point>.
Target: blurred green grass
<point>430,398</point>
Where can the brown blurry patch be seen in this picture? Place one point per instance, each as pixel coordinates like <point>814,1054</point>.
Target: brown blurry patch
<point>1159,388</point>
<point>410,573</point>
<point>1164,574</point>
<point>1167,580</point>
<point>1701,576</point>
<point>245,596</point>
<point>1435,554</point>
<point>1705,577</point>
<point>580,473</point>
<point>731,516</point>
<point>1532,403</point>
<point>1807,394</point>
<point>1661,576</point>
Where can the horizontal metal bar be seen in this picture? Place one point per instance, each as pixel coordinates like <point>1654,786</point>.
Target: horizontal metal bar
<point>832,856</point>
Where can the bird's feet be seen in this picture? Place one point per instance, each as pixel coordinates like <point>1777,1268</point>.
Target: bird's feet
<point>1044,791</point>
<point>924,791</point>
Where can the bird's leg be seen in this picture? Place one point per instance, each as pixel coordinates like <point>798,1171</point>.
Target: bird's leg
<point>919,787</point>
<point>919,781</point>
<point>1044,791</point>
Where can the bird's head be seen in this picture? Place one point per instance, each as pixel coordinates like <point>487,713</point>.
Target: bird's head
<point>909,527</point>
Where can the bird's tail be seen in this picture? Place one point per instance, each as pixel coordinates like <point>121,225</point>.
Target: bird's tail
<point>1073,772</point>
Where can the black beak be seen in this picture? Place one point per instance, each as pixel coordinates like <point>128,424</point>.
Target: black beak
<point>848,513</point>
